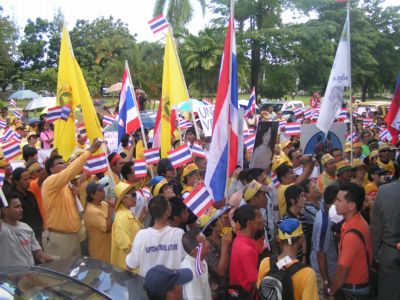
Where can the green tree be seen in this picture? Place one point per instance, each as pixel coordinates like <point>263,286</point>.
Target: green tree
<point>201,59</point>
<point>179,12</point>
<point>8,50</point>
<point>103,44</point>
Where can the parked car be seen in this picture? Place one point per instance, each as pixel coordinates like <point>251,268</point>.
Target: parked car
<point>382,107</point>
<point>71,278</point>
<point>281,105</point>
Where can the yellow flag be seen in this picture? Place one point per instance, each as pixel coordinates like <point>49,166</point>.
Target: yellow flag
<point>174,91</point>
<point>72,91</point>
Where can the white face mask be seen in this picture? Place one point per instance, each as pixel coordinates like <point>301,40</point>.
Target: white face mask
<point>333,216</point>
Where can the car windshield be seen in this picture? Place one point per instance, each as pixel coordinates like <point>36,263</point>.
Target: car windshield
<point>24,283</point>
<point>276,106</point>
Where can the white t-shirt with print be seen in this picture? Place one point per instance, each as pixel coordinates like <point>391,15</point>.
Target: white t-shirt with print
<point>153,247</point>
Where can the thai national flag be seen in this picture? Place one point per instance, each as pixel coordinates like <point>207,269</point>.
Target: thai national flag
<point>367,122</point>
<point>140,168</point>
<point>351,138</point>
<point>65,111</point>
<point>343,114</point>
<point>12,102</point>
<point>297,111</point>
<point>292,129</point>
<point>199,200</point>
<point>146,193</point>
<point>275,180</point>
<point>385,135</point>
<point>2,176</point>
<point>96,164</point>
<point>3,124</point>
<point>282,124</point>
<point>152,156</point>
<point>184,124</point>
<point>17,136</point>
<point>308,113</point>
<point>206,101</point>
<point>158,24</point>
<point>81,130</point>
<point>180,156</point>
<point>11,150</point>
<point>249,142</point>
<point>223,155</point>
<point>247,132</point>
<point>128,115</point>
<point>53,114</point>
<point>17,114</point>
<point>108,120</point>
<point>8,134</point>
<point>251,107</point>
<point>316,112</point>
<point>198,151</point>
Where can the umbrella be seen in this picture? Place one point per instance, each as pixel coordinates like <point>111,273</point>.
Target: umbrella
<point>41,103</point>
<point>24,94</point>
<point>191,104</point>
<point>116,87</point>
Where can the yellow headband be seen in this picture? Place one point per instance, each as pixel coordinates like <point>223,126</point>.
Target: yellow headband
<point>158,187</point>
<point>286,236</point>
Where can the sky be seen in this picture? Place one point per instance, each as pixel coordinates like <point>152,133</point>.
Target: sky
<point>135,13</point>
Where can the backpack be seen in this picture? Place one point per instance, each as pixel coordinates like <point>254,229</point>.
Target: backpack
<point>277,283</point>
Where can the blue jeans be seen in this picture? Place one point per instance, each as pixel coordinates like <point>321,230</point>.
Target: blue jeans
<point>358,293</point>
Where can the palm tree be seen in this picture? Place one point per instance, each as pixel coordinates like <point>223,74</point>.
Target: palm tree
<point>179,12</point>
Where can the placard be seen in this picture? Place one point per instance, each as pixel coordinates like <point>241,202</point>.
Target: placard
<point>111,137</point>
<point>206,115</point>
<point>264,144</point>
<point>314,142</point>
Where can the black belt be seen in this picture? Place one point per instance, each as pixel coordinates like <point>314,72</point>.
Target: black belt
<point>355,286</point>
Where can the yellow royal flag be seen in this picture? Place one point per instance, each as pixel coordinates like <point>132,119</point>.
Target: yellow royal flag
<point>72,91</point>
<point>174,91</point>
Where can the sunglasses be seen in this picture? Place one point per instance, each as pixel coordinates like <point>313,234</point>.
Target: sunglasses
<point>384,150</point>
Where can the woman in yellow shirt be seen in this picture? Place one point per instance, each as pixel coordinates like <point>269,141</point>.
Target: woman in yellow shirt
<point>98,221</point>
<point>126,225</point>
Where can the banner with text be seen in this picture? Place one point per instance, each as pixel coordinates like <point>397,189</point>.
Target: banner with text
<point>206,114</point>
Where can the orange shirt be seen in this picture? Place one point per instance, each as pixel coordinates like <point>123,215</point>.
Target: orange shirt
<point>37,191</point>
<point>352,250</point>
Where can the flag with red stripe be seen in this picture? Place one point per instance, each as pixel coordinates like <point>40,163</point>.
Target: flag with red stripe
<point>199,200</point>
<point>180,156</point>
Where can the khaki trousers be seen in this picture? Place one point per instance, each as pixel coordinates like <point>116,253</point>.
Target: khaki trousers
<point>61,245</point>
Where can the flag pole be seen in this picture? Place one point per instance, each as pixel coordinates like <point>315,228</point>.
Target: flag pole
<point>229,116</point>
<point>350,87</point>
<point>136,104</point>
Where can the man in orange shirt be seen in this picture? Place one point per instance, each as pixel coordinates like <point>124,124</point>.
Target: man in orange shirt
<point>354,259</point>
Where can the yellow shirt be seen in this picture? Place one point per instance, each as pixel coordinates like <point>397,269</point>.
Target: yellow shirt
<point>124,230</point>
<point>58,200</point>
<point>139,150</point>
<point>304,281</point>
<point>324,180</point>
<point>96,228</point>
<point>281,198</point>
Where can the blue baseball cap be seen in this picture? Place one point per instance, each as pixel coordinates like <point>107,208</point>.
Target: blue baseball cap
<point>160,279</point>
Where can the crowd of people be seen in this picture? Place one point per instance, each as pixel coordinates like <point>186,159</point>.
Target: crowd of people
<point>303,227</point>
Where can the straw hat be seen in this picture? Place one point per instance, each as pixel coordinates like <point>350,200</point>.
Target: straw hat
<point>326,158</point>
<point>343,166</point>
<point>357,163</point>
<point>120,191</point>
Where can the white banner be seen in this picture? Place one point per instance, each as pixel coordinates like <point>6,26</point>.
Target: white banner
<point>339,78</point>
<point>111,137</point>
<point>206,114</point>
